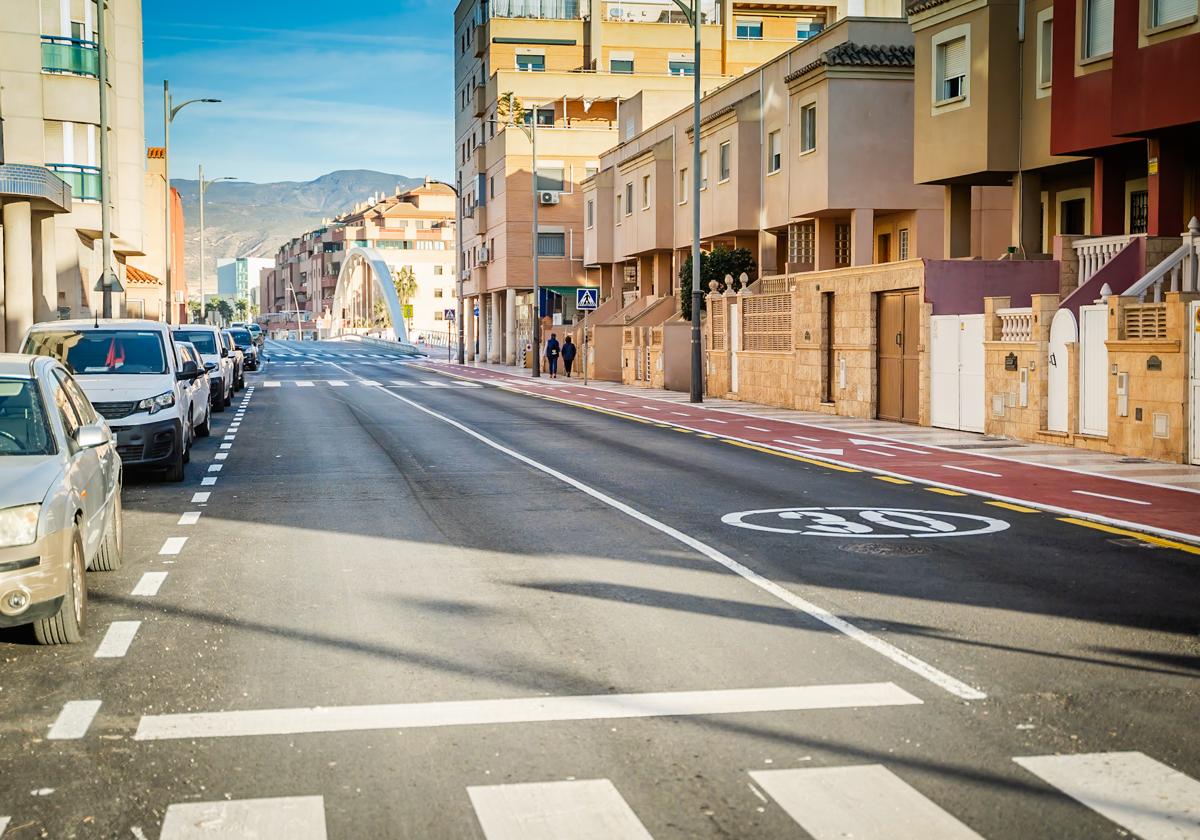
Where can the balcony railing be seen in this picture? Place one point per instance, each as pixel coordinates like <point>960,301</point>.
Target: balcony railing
<point>1016,324</point>
<point>83,180</point>
<point>70,55</point>
<point>540,9</point>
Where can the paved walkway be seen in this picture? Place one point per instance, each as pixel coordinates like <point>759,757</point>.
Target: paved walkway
<point>1147,496</point>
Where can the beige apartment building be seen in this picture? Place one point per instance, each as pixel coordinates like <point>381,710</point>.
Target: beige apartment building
<point>412,229</point>
<point>50,156</point>
<point>590,74</point>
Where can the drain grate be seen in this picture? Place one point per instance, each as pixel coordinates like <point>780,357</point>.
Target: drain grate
<point>893,549</point>
<point>1133,460</point>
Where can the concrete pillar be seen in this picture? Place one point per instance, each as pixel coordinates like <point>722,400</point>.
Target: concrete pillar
<point>510,326</point>
<point>1166,179</point>
<point>1027,214</point>
<point>17,299</point>
<point>485,313</point>
<point>956,209</point>
<point>494,346</point>
<point>825,243</point>
<point>469,328</point>
<point>1108,196</point>
<point>45,268</point>
<point>862,236</point>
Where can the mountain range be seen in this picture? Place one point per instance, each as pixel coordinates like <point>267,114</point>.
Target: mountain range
<point>245,219</point>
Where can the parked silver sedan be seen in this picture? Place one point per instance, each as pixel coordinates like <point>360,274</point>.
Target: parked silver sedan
<point>60,498</point>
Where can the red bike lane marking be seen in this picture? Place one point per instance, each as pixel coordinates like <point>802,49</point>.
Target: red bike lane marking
<point>1170,511</point>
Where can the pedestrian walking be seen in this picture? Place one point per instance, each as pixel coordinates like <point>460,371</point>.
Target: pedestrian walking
<point>569,349</point>
<point>552,351</point>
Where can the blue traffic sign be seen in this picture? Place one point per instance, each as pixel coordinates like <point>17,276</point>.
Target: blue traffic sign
<point>587,297</point>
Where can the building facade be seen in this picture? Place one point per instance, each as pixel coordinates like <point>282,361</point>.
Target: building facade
<point>236,276</point>
<point>573,71</point>
<point>49,156</point>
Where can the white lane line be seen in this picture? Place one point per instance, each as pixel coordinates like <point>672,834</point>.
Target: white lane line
<point>226,446</point>
<point>796,437</point>
<point>1111,498</point>
<point>600,399</point>
<point>208,482</point>
<point>1150,799</point>
<point>201,498</point>
<point>884,648</point>
<point>711,420</point>
<point>866,802</point>
<point>293,817</point>
<point>272,384</point>
<point>758,429</point>
<point>230,438</point>
<point>4,824</point>
<point>581,810</point>
<point>74,720</point>
<point>368,382</point>
<point>877,452</point>
<point>174,545</point>
<point>220,456</point>
<point>150,583</point>
<point>518,710</point>
<point>650,408</point>
<point>303,383</point>
<point>337,383</point>
<point>681,414</point>
<point>215,467</point>
<point>117,640</point>
<point>189,518</point>
<point>969,470</point>
<point>433,383</point>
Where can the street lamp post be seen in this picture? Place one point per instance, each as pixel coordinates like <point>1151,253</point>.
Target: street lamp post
<point>531,133</point>
<point>169,112</point>
<point>459,262</point>
<point>204,185</point>
<point>108,280</point>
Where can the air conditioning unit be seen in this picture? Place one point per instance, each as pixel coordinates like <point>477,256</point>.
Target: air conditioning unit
<point>549,197</point>
<point>466,274</point>
<point>484,255</point>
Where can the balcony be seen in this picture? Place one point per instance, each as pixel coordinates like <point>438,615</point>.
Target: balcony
<point>84,181</point>
<point>72,56</point>
<point>536,9</point>
<point>481,101</point>
<point>47,191</point>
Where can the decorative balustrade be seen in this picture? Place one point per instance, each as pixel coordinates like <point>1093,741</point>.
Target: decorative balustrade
<point>776,285</point>
<point>1016,324</point>
<point>1179,272</point>
<point>1095,253</point>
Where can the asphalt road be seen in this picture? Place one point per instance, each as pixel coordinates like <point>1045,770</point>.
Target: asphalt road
<point>413,608</point>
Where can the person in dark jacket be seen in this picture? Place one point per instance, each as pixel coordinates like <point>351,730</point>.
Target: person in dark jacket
<point>552,351</point>
<point>568,354</point>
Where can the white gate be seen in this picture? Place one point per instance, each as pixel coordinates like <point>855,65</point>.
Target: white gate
<point>1093,370</point>
<point>735,344</point>
<point>1063,332</point>
<point>1194,373</point>
<point>956,382</point>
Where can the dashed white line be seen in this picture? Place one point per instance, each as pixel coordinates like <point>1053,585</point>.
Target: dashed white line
<point>227,446</point>
<point>117,640</point>
<point>303,383</point>
<point>272,384</point>
<point>200,498</point>
<point>190,518</point>
<point>877,452</point>
<point>173,545</point>
<point>969,470</point>
<point>711,420</point>
<point>208,482</point>
<point>150,583</point>
<point>221,456</point>
<point>758,429</point>
<point>215,467</point>
<point>337,383</point>
<point>680,414</point>
<point>1110,498</point>
<point>74,720</point>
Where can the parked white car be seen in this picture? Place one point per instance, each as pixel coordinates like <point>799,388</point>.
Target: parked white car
<point>221,377</point>
<point>60,498</point>
<point>132,373</point>
<point>199,390</point>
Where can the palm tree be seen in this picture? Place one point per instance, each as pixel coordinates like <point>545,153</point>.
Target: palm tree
<point>242,307</point>
<point>406,289</point>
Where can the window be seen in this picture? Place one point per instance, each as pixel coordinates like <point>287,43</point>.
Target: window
<point>704,170</point>
<point>591,170</point>
<point>552,244</point>
<point>1097,27</point>
<point>774,151</point>
<point>683,186</point>
<point>545,116</point>
<point>902,253</point>
<point>491,187</point>
<point>1163,12</point>
<point>749,29</point>
<point>802,243</point>
<point>437,293</point>
<point>645,192</point>
<point>808,128</point>
<point>952,59</point>
<point>1045,49</point>
<point>620,65</point>
<point>806,29</point>
<point>550,178</point>
<point>725,162</point>
<point>1139,211</point>
<point>531,63</point>
<point>629,199</point>
<point>681,67</point>
<point>841,245</point>
<point>591,213</point>
<point>438,270</point>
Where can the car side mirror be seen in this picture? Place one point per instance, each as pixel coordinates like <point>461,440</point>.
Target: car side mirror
<point>210,366</point>
<point>190,370</point>
<point>224,352</point>
<point>91,436</point>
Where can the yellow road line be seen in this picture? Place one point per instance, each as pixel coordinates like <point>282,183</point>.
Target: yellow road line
<point>791,457</point>
<point>1146,538</point>
<point>708,437</point>
<point>1012,507</point>
<point>944,492</point>
<point>891,480</point>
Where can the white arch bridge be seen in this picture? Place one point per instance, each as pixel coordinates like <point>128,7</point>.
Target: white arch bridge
<point>365,301</point>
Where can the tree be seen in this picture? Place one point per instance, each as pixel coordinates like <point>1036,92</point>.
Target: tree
<point>225,309</point>
<point>406,288</point>
<point>722,261</point>
<point>195,313</point>
<point>242,307</point>
<point>509,109</point>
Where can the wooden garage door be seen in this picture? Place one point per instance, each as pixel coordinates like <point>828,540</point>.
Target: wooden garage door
<point>899,367</point>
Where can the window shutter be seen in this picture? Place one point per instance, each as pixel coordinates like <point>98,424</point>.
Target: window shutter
<point>1169,11</point>
<point>1099,27</point>
<point>954,58</point>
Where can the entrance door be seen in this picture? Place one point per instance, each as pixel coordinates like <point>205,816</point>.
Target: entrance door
<point>1195,381</point>
<point>956,398</point>
<point>1093,370</point>
<point>898,363</point>
<point>1063,333</point>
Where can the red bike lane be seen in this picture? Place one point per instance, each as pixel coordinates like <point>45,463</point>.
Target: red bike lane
<point>1117,502</point>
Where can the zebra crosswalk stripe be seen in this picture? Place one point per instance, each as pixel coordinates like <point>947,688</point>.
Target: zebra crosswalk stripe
<point>582,810</point>
<point>293,817</point>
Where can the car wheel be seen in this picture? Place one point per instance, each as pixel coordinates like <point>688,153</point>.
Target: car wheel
<point>228,399</point>
<point>218,402</point>
<point>66,626</point>
<point>205,428</point>
<point>108,559</point>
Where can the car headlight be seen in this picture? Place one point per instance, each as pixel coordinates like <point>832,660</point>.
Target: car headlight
<point>153,405</point>
<point>18,525</point>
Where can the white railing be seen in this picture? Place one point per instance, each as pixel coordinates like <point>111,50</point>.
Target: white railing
<point>1016,324</point>
<point>1095,253</point>
<point>1179,272</point>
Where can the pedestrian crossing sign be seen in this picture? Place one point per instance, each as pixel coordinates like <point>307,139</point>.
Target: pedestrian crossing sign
<point>587,298</point>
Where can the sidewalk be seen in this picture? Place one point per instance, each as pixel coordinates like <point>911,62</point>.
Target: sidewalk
<point>1133,493</point>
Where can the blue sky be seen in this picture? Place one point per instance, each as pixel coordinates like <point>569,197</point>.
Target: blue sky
<point>308,87</point>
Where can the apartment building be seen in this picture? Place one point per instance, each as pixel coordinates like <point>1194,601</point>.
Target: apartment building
<point>585,75</point>
<point>49,155</point>
<point>413,231</point>
<point>145,294</point>
<point>236,274</point>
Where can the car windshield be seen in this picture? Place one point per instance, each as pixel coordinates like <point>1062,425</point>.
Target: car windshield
<point>241,336</point>
<point>100,351</point>
<point>23,428</point>
<point>204,340</point>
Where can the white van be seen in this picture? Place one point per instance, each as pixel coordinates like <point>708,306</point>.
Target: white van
<point>133,374</point>
<point>212,349</point>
